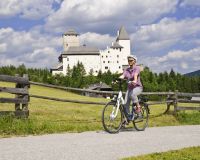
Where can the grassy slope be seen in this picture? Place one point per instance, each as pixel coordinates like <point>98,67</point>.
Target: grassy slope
<point>51,116</point>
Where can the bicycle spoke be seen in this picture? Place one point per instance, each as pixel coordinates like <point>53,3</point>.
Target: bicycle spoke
<point>141,123</point>
<point>111,118</point>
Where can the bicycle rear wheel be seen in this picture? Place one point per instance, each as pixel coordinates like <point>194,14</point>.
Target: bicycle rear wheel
<point>112,118</point>
<point>140,123</point>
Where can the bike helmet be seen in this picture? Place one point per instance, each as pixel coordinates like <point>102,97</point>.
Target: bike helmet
<point>132,57</point>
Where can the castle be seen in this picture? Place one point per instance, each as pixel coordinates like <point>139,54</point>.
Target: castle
<point>114,58</point>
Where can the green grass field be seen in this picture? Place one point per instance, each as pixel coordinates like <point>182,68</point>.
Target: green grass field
<point>48,116</point>
<point>191,153</point>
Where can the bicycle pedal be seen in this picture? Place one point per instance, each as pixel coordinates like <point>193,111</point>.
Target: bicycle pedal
<point>126,122</point>
<point>139,116</point>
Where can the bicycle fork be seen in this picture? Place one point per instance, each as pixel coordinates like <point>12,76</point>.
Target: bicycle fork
<point>115,111</point>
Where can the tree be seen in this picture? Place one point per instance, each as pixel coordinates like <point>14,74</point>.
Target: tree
<point>172,74</point>
<point>107,77</point>
<point>21,70</point>
<point>68,77</point>
<point>78,73</point>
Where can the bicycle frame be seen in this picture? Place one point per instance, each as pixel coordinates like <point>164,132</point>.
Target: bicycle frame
<point>120,100</point>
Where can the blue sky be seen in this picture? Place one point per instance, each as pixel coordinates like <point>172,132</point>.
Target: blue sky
<point>164,34</point>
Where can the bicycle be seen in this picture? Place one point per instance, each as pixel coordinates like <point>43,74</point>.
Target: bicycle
<point>114,114</point>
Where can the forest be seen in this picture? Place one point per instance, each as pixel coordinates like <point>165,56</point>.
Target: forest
<point>76,77</point>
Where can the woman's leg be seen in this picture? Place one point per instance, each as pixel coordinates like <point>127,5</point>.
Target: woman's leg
<point>128,100</point>
<point>134,96</point>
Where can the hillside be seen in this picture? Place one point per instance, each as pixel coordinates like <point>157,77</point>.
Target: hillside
<point>191,74</point>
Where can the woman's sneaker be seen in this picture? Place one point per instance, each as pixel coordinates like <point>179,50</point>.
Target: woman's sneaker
<point>138,112</point>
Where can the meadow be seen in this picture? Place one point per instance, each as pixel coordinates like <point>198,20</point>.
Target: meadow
<point>48,116</point>
<point>191,153</point>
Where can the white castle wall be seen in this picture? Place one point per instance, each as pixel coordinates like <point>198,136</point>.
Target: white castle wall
<point>126,50</point>
<point>89,62</point>
<point>70,41</point>
<point>113,58</point>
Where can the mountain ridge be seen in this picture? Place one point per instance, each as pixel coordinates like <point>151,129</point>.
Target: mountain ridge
<point>194,73</point>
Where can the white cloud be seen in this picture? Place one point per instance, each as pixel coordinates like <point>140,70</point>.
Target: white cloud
<point>164,35</point>
<point>28,9</point>
<point>190,3</point>
<point>3,47</point>
<point>180,61</point>
<point>28,47</point>
<point>192,54</point>
<point>96,40</point>
<point>184,65</point>
<point>98,14</point>
<point>44,57</point>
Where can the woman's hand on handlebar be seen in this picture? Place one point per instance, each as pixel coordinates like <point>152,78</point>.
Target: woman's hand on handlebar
<point>133,83</point>
<point>121,77</point>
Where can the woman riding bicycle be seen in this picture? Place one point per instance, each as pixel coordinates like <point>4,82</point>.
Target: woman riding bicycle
<point>116,113</point>
<point>132,74</point>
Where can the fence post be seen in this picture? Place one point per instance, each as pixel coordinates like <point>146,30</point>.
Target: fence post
<point>25,106</point>
<point>17,105</point>
<point>168,103</point>
<point>175,101</point>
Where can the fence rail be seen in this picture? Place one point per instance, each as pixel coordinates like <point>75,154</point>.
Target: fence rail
<point>14,90</point>
<point>21,94</point>
<point>67,100</point>
<point>188,94</point>
<point>171,100</point>
<point>19,80</point>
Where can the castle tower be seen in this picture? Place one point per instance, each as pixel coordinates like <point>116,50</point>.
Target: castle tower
<point>124,40</point>
<point>70,39</point>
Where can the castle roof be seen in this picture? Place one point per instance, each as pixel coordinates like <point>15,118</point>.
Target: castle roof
<point>116,45</point>
<point>81,50</point>
<point>123,35</point>
<point>100,86</point>
<point>59,67</point>
<point>71,32</point>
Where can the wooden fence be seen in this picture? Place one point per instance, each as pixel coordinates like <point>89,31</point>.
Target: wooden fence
<point>178,107</point>
<point>21,98</point>
<point>22,95</point>
<point>172,98</point>
<point>175,98</point>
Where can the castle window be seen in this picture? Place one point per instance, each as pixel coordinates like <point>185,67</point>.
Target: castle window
<point>108,61</point>
<point>67,59</point>
<point>106,56</point>
<point>119,67</point>
<point>108,51</point>
<point>117,61</point>
<point>102,56</point>
<point>120,49</point>
<point>106,67</point>
<point>117,56</point>
<point>103,61</point>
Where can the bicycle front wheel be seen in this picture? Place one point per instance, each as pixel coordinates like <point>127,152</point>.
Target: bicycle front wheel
<point>112,118</point>
<point>141,122</point>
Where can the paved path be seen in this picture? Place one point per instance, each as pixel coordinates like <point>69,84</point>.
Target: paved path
<point>98,145</point>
